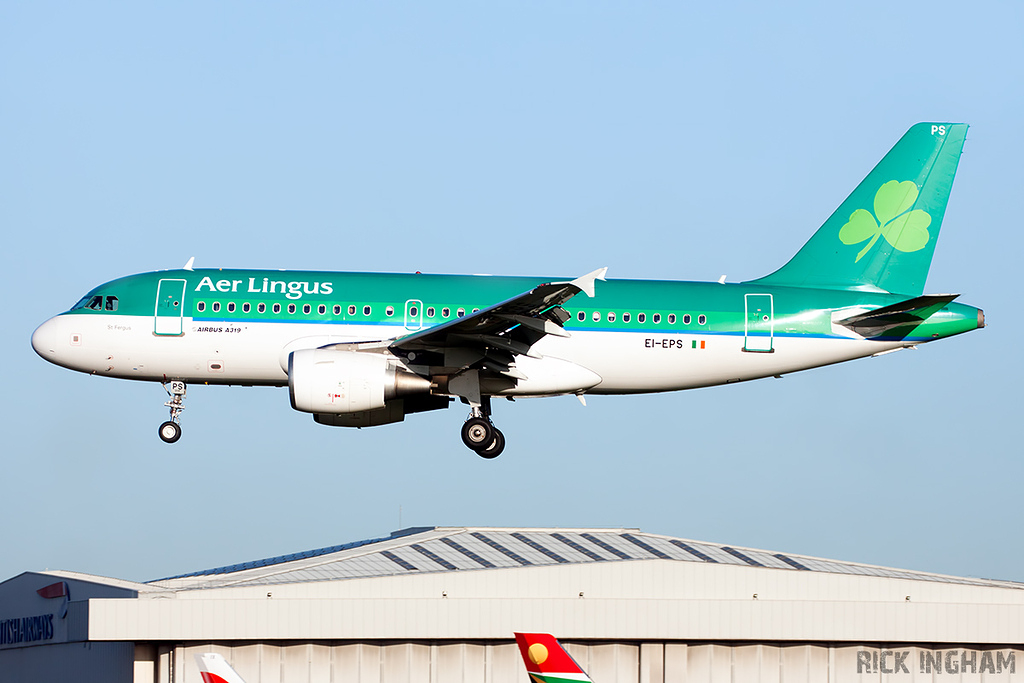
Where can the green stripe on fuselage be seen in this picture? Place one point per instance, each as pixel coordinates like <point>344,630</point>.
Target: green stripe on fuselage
<point>797,311</point>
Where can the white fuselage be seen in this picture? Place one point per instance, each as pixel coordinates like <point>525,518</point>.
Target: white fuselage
<point>257,353</point>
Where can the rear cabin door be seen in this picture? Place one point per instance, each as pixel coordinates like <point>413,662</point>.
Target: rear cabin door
<point>170,300</point>
<point>759,332</point>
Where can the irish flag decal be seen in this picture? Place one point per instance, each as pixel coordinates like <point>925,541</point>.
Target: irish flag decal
<point>546,661</point>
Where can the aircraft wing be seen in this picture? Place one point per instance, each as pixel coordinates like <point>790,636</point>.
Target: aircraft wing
<point>493,336</point>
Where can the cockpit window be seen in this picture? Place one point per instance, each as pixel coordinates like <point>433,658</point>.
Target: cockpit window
<point>96,303</point>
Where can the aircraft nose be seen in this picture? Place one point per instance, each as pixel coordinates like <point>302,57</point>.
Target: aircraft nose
<point>44,340</point>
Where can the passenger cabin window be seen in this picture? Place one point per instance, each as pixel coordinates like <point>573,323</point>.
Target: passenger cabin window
<point>366,310</point>
<point>321,309</point>
<point>246,307</point>
<point>476,310</point>
<point>461,312</point>
<point>597,317</point>
<point>611,317</point>
<point>201,306</point>
<point>657,318</point>
<point>231,307</point>
<point>216,307</point>
<point>581,316</point>
<point>701,319</point>
<point>625,317</point>
<point>430,312</point>
<point>337,309</point>
<point>641,317</point>
<point>389,311</point>
<point>445,312</point>
<point>671,318</point>
<point>351,310</point>
<point>277,308</point>
<point>291,308</point>
<point>261,308</point>
<point>413,311</point>
<point>306,308</point>
<point>686,319</point>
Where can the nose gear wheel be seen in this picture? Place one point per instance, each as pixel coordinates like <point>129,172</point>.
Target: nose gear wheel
<point>170,432</point>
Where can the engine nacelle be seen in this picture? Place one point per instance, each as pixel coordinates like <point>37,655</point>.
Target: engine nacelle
<point>327,381</point>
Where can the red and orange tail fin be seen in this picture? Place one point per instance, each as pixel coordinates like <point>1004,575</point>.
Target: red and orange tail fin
<point>546,661</point>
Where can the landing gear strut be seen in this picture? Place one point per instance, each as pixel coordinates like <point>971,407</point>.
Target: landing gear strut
<point>170,431</point>
<point>479,433</point>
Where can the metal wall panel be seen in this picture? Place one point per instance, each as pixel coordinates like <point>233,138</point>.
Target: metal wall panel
<point>347,663</point>
<point>676,662</point>
<point>803,664</point>
<point>63,662</point>
<point>295,663</point>
<point>270,664</point>
<point>460,663</point>
<point>638,600</point>
<point>570,617</point>
<point>505,665</point>
<point>650,662</point>
<point>405,663</point>
<point>620,663</point>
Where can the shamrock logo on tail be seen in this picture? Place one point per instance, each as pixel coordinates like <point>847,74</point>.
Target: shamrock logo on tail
<point>904,229</point>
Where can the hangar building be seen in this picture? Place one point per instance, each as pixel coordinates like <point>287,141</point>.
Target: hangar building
<point>440,604</point>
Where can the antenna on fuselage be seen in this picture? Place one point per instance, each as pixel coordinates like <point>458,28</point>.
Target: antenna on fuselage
<point>188,266</point>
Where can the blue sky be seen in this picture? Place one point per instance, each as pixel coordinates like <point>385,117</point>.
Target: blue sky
<point>662,140</point>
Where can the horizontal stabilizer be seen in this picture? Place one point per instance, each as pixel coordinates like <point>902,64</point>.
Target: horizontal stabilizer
<point>909,313</point>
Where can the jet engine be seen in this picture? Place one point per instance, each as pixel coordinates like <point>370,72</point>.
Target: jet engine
<point>327,381</point>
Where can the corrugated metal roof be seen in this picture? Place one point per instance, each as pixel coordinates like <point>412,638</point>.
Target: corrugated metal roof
<point>445,549</point>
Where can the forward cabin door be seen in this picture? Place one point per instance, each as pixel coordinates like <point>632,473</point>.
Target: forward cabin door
<point>760,327</point>
<point>170,300</point>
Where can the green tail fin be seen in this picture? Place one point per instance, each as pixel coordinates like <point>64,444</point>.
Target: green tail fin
<point>883,236</point>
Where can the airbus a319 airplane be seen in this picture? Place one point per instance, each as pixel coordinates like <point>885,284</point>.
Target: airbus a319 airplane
<point>365,349</point>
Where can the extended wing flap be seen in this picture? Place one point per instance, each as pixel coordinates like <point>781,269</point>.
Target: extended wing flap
<point>905,314</point>
<point>540,324</point>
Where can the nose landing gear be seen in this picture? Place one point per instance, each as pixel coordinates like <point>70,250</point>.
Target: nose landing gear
<point>170,431</point>
<point>479,433</point>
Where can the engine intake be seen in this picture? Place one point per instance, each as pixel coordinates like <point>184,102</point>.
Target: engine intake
<point>338,382</point>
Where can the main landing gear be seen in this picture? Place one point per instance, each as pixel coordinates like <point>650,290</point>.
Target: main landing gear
<point>479,433</point>
<point>170,431</point>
